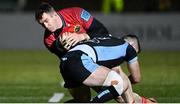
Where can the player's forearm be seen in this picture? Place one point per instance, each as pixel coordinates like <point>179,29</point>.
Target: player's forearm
<point>135,75</point>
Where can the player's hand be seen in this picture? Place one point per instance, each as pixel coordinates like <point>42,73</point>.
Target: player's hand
<point>62,39</point>
<point>71,39</point>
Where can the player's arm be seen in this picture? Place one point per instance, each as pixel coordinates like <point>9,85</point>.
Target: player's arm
<point>53,44</point>
<point>134,69</point>
<point>133,65</point>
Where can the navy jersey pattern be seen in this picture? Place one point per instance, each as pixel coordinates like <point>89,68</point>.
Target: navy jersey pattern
<point>84,58</point>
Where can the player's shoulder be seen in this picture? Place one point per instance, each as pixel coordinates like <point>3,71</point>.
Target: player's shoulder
<point>130,50</point>
<point>73,11</point>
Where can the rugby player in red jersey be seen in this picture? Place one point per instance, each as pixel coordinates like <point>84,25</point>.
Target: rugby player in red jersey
<point>74,20</point>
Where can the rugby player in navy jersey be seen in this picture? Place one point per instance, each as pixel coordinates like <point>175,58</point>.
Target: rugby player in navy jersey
<point>89,63</point>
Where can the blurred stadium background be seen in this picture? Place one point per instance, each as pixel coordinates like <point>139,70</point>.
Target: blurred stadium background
<point>29,73</point>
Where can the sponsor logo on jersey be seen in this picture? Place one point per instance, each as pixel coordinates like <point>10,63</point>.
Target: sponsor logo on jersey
<point>85,15</point>
<point>77,28</point>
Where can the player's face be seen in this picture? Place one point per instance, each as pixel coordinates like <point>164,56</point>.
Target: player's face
<point>49,21</point>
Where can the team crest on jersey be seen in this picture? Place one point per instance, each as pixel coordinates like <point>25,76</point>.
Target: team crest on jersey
<point>85,15</point>
<point>77,28</point>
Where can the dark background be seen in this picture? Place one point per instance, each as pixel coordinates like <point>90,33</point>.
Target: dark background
<point>93,5</point>
<point>155,22</point>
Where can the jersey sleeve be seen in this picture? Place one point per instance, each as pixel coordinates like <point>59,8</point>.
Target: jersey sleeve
<point>97,29</point>
<point>131,55</point>
<point>83,17</point>
<point>93,27</point>
<point>53,44</point>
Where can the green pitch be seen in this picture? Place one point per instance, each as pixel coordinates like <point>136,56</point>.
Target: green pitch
<point>33,76</point>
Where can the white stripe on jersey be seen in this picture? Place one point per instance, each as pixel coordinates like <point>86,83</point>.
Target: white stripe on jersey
<point>86,49</point>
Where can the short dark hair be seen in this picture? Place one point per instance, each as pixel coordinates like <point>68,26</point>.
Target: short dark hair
<point>133,37</point>
<point>43,8</point>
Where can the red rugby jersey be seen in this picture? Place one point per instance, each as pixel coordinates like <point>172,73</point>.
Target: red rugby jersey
<point>74,19</point>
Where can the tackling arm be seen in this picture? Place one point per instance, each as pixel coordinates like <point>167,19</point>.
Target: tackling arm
<point>134,70</point>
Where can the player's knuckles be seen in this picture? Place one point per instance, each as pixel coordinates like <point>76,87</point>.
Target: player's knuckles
<point>74,43</point>
<point>66,46</point>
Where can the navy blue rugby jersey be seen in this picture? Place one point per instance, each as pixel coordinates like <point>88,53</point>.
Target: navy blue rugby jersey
<point>106,51</point>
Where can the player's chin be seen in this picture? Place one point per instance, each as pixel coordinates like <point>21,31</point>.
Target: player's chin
<point>52,29</point>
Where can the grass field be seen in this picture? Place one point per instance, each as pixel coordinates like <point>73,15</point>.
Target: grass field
<point>33,76</point>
